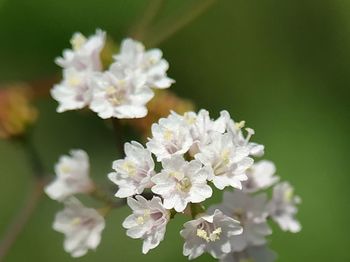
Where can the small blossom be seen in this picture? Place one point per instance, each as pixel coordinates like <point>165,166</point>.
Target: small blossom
<point>72,176</point>
<point>228,162</point>
<point>202,127</point>
<point>251,212</point>
<point>85,54</point>
<point>282,207</point>
<point>74,92</point>
<point>82,227</point>
<point>133,173</point>
<point>133,57</point>
<point>253,254</point>
<point>210,234</point>
<point>181,182</point>
<point>236,130</point>
<point>119,95</point>
<point>148,221</point>
<point>260,176</point>
<point>171,137</point>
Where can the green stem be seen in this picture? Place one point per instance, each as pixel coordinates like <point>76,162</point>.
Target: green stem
<point>138,31</point>
<point>21,219</point>
<point>108,199</point>
<point>119,134</point>
<point>174,24</point>
<point>32,155</point>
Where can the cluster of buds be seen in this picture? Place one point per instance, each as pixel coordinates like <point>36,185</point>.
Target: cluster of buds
<point>16,111</point>
<point>186,157</point>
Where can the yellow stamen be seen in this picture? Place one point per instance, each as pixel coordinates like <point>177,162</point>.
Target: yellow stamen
<point>78,41</point>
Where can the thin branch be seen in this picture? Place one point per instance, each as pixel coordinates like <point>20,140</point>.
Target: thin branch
<point>174,24</point>
<point>138,31</point>
<point>21,219</point>
<point>119,134</point>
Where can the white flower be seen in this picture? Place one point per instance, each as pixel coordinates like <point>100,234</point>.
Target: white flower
<point>251,212</point>
<point>282,207</point>
<point>171,136</point>
<point>119,95</point>
<point>253,254</point>
<point>227,161</point>
<point>201,127</point>
<point>236,130</point>
<point>148,221</point>
<point>260,176</point>
<point>85,54</point>
<point>133,173</point>
<point>133,57</point>
<point>181,182</point>
<point>82,227</point>
<point>210,234</point>
<point>72,176</point>
<point>74,92</point>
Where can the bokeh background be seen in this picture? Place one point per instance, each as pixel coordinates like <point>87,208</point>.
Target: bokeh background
<point>283,66</point>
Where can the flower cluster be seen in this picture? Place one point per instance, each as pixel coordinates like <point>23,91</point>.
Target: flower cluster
<point>184,158</point>
<point>121,91</point>
<point>82,226</point>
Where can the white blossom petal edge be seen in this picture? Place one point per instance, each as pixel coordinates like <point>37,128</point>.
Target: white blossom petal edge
<point>82,227</point>
<point>72,176</point>
<point>148,221</point>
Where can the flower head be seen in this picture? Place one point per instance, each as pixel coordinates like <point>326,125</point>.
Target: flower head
<point>82,227</point>
<point>170,137</point>
<point>72,176</point>
<point>251,212</point>
<point>228,162</point>
<point>133,173</point>
<point>74,91</point>
<point>235,128</point>
<point>181,182</point>
<point>120,95</point>
<point>210,234</point>
<point>150,64</point>
<point>202,128</point>
<point>85,52</point>
<point>260,176</point>
<point>148,221</point>
<point>282,207</point>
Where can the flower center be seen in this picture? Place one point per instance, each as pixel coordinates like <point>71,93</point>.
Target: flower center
<point>184,185</point>
<point>115,95</point>
<point>168,135</point>
<point>208,232</point>
<point>74,81</point>
<point>129,168</point>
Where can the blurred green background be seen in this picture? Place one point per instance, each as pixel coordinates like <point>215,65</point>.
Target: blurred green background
<point>283,66</point>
